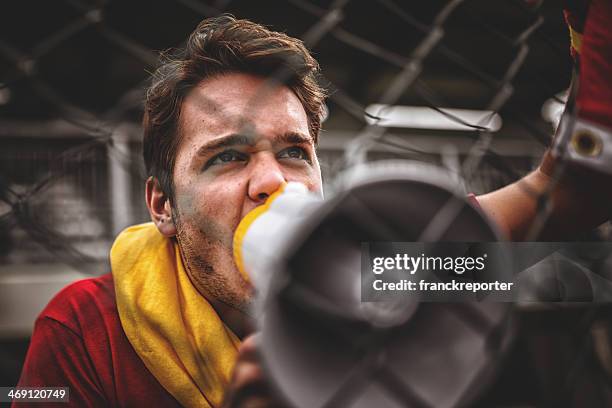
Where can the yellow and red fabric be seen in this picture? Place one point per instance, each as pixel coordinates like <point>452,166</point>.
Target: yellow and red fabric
<point>590,25</point>
<point>174,330</point>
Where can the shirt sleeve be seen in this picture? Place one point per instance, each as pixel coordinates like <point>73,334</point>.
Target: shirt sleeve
<point>57,358</point>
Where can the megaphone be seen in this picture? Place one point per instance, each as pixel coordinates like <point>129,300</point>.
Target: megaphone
<point>321,345</point>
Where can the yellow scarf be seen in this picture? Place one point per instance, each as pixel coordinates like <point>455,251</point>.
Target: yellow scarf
<point>175,331</point>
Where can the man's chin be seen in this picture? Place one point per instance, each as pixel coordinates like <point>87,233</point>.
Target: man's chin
<point>246,298</point>
<point>246,306</point>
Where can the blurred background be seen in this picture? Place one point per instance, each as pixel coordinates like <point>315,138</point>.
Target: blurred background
<point>72,78</point>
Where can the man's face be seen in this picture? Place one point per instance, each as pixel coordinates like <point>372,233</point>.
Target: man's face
<point>241,140</point>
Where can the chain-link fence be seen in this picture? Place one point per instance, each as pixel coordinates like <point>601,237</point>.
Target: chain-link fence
<point>73,74</point>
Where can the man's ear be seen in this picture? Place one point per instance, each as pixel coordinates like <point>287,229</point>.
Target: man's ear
<point>159,207</point>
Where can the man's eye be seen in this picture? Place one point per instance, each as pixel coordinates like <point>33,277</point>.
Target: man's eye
<point>227,156</point>
<point>294,152</point>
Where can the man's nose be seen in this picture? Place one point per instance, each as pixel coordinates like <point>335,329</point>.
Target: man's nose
<point>266,178</point>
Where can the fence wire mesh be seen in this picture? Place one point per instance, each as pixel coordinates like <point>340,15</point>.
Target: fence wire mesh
<point>73,89</point>
<point>73,75</point>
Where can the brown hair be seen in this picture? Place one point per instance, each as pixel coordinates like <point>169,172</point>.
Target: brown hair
<point>220,45</point>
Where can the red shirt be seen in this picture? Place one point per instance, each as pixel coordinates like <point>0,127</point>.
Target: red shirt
<point>78,342</point>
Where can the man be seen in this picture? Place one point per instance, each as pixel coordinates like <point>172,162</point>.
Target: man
<point>220,137</point>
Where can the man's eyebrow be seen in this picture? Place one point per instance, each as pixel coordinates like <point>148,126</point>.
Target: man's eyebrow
<point>226,141</point>
<point>251,140</point>
<point>293,138</point>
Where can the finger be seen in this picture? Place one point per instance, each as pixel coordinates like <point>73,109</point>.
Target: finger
<point>249,387</point>
<point>253,395</point>
<point>246,373</point>
<point>249,349</point>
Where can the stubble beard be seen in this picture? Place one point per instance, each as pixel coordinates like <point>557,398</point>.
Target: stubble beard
<point>211,267</point>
